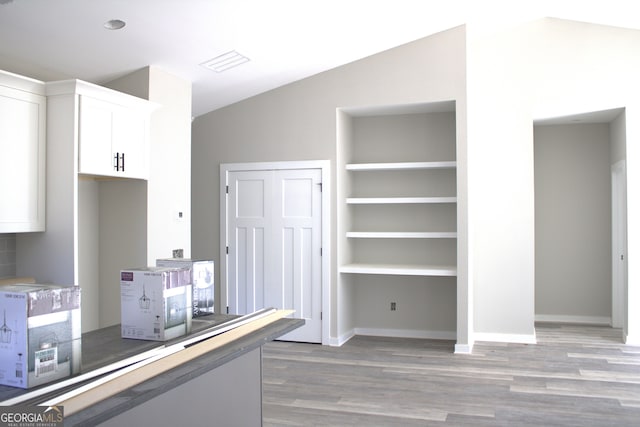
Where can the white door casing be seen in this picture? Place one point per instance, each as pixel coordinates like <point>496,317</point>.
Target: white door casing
<point>619,245</point>
<point>274,222</point>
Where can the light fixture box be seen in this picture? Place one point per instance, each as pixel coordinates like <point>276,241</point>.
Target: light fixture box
<point>155,303</point>
<point>40,337</point>
<point>202,275</point>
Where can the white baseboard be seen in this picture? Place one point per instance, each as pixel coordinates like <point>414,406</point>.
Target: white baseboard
<point>463,349</point>
<point>406,333</point>
<point>339,341</point>
<point>399,333</point>
<point>633,340</point>
<point>508,338</point>
<point>582,320</point>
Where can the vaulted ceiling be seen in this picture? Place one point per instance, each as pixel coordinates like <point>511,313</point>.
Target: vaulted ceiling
<point>274,42</point>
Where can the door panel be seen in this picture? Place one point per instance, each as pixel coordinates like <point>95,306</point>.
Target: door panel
<point>249,217</point>
<point>297,220</point>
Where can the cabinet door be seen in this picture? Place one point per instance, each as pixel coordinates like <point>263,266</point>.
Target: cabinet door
<point>113,139</point>
<point>129,142</point>
<point>96,133</point>
<point>22,148</point>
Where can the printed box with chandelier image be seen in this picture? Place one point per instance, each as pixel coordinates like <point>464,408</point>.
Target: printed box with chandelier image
<point>40,336</point>
<point>202,275</point>
<point>155,303</point>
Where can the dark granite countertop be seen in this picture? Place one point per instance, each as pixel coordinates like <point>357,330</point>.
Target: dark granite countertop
<point>105,346</point>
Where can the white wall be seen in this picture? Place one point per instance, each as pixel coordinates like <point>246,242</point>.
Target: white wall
<point>169,184</point>
<point>344,298</point>
<point>500,174</point>
<point>618,137</point>
<point>298,122</point>
<point>573,223</point>
<point>543,69</point>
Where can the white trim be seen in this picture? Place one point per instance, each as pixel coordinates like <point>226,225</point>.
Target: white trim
<point>406,333</point>
<point>399,200</point>
<point>79,87</point>
<point>338,342</point>
<point>582,320</point>
<point>618,242</point>
<point>402,270</point>
<point>285,165</point>
<point>463,349</point>
<point>507,338</point>
<point>402,234</point>
<point>325,167</point>
<point>23,83</point>
<point>400,166</point>
<point>633,340</point>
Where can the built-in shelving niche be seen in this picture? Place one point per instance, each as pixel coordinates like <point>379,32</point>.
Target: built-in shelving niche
<point>397,215</point>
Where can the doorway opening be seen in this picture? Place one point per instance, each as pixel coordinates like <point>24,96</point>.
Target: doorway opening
<point>579,210</point>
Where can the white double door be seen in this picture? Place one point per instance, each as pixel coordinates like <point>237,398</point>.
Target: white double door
<point>274,220</point>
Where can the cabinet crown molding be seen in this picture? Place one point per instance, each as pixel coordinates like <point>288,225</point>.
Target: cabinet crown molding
<point>80,87</point>
<point>16,81</point>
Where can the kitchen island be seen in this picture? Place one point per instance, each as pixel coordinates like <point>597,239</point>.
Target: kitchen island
<point>216,381</point>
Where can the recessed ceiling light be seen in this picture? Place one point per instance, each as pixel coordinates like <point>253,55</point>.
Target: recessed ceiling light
<point>225,61</point>
<point>114,24</point>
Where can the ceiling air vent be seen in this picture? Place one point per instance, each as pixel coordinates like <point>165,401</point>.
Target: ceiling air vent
<point>225,61</point>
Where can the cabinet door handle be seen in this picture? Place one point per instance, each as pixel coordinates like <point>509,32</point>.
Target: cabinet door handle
<point>118,162</point>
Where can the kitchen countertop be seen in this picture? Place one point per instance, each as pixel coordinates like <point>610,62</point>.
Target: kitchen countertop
<point>105,346</point>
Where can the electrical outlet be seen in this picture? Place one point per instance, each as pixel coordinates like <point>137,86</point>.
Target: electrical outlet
<point>178,253</point>
<point>393,306</point>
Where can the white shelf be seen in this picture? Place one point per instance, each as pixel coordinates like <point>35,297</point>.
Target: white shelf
<point>398,200</point>
<point>400,269</point>
<point>402,234</point>
<point>400,166</point>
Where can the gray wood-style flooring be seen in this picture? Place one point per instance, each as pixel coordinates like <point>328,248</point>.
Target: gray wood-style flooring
<point>574,376</point>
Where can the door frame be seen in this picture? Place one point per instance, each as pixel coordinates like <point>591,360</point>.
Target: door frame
<point>618,245</point>
<point>324,166</point>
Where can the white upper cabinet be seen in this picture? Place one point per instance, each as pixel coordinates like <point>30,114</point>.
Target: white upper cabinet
<point>113,139</point>
<point>22,149</point>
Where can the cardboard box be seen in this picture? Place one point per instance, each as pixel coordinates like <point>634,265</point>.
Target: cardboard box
<point>17,280</point>
<point>40,336</point>
<point>155,303</point>
<point>202,275</point>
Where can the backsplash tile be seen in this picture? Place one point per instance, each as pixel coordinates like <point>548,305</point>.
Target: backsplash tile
<point>7,255</point>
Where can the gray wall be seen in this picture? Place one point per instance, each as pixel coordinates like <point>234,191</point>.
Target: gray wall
<point>502,81</point>
<point>425,305</point>
<point>7,255</point>
<point>573,222</point>
<point>298,122</point>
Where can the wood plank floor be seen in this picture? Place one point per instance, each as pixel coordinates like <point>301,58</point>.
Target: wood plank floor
<point>574,376</point>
